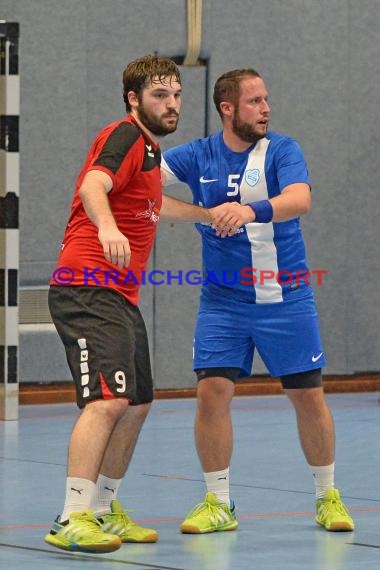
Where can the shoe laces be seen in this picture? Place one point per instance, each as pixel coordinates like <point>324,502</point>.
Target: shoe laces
<point>87,521</point>
<point>123,518</point>
<point>212,510</point>
<point>335,504</point>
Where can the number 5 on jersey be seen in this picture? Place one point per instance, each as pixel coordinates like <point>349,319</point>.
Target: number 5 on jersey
<point>232,183</point>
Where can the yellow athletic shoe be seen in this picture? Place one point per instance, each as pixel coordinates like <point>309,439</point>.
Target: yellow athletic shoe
<point>82,533</point>
<point>332,512</point>
<point>117,522</point>
<point>209,516</point>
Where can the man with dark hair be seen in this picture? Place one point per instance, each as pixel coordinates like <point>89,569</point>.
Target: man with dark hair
<point>256,292</point>
<point>93,302</point>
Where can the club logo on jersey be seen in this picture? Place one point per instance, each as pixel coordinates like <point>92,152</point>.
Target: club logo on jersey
<point>252,176</point>
<point>151,213</point>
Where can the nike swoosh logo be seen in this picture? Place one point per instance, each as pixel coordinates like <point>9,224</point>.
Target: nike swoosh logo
<point>315,358</point>
<point>204,180</point>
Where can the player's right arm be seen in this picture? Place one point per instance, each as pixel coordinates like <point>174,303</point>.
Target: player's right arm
<point>94,195</point>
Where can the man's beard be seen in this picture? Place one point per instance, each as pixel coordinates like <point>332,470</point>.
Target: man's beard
<point>155,124</point>
<point>245,131</point>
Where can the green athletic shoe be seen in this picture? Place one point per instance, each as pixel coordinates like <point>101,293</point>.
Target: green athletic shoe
<point>117,522</point>
<point>332,512</point>
<point>82,533</point>
<point>210,516</point>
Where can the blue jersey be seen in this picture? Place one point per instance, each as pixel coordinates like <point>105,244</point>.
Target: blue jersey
<point>262,263</point>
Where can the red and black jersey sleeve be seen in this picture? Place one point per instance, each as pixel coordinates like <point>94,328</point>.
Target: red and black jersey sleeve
<point>116,147</point>
<point>122,150</point>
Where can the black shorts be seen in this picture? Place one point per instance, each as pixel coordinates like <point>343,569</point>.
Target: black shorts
<point>105,341</point>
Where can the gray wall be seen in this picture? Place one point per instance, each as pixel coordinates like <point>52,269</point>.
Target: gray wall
<point>321,62</point>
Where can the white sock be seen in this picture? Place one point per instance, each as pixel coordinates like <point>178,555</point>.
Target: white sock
<point>79,494</point>
<point>323,479</point>
<point>218,482</point>
<point>105,492</point>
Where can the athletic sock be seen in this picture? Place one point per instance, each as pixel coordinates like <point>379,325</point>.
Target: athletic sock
<point>79,496</point>
<point>105,492</point>
<point>323,479</point>
<point>218,482</point>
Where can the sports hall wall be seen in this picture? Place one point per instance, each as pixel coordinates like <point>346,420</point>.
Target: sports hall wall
<point>321,63</point>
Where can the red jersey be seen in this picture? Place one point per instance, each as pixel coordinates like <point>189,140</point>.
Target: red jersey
<point>132,160</point>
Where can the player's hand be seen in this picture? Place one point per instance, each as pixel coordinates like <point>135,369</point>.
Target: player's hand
<point>229,217</point>
<point>115,246</point>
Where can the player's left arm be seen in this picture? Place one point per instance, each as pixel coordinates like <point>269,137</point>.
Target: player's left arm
<point>173,210</point>
<point>293,179</point>
<point>294,201</point>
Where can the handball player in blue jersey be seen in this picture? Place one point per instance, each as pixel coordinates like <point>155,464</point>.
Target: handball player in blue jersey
<point>256,292</point>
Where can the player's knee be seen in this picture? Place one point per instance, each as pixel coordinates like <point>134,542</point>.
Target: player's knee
<point>213,393</point>
<point>113,408</point>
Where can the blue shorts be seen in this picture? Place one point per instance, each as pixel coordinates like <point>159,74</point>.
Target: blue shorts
<point>286,335</point>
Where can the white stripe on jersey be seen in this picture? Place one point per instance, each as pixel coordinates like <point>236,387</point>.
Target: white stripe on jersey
<point>260,236</point>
